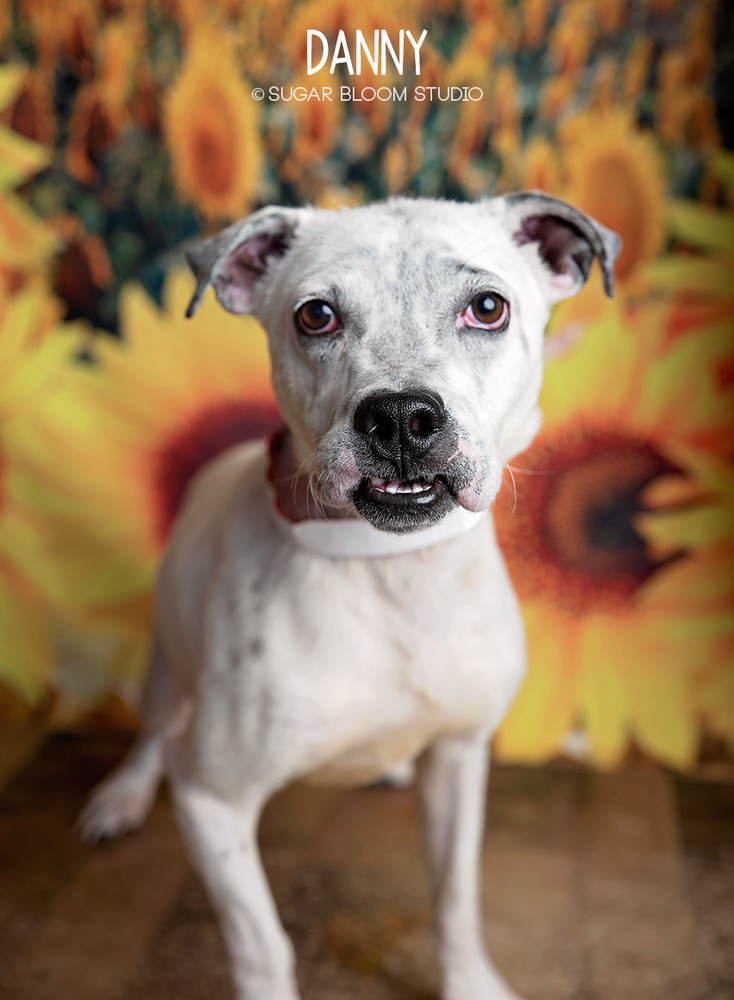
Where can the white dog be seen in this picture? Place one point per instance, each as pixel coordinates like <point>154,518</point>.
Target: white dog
<point>337,603</point>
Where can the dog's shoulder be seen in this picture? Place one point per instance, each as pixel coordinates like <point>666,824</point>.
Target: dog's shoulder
<point>237,475</point>
<point>227,497</point>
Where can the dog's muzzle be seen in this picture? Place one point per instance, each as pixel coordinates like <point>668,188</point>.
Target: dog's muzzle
<point>401,431</point>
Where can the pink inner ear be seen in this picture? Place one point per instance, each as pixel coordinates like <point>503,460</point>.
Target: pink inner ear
<point>563,282</point>
<point>561,246</point>
<point>242,268</point>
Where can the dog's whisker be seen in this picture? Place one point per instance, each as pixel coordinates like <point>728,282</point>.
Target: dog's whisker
<point>529,472</point>
<point>511,471</point>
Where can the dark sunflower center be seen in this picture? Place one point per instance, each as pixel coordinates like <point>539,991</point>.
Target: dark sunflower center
<point>591,503</point>
<point>572,538</point>
<point>204,437</point>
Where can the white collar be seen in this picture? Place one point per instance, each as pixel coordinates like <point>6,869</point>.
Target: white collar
<point>356,538</point>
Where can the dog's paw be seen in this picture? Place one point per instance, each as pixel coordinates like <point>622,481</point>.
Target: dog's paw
<point>479,982</point>
<point>400,775</point>
<point>117,806</point>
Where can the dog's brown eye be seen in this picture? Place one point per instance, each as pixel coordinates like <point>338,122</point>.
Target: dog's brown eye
<point>316,316</point>
<point>487,311</point>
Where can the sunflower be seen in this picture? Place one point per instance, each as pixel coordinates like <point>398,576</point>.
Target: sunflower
<point>614,173</point>
<point>211,126</point>
<point>133,429</point>
<point>617,626</point>
<point>29,357</point>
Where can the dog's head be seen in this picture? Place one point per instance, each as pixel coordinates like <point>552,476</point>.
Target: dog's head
<point>406,337</point>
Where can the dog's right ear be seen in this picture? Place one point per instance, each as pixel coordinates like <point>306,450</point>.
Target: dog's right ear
<point>234,261</point>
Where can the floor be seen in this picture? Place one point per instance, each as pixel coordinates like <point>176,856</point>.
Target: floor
<point>596,887</point>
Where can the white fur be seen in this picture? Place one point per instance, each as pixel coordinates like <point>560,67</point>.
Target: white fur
<point>273,663</point>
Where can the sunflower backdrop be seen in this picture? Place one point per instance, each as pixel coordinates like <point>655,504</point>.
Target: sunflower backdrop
<point>128,128</point>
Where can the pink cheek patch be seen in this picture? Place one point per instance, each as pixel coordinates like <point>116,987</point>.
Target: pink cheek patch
<point>476,496</point>
<point>466,449</point>
<point>344,474</point>
<point>479,494</point>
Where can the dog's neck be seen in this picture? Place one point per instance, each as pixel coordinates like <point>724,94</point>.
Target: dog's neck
<point>338,532</point>
<point>294,498</point>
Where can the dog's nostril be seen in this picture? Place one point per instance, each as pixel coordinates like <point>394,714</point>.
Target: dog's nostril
<point>374,421</point>
<point>424,424</point>
<point>382,428</point>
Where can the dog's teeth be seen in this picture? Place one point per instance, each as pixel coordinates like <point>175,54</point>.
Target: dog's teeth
<point>394,486</point>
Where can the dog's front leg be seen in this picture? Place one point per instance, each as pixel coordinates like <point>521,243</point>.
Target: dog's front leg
<point>452,778</point>
<point>222,839</point>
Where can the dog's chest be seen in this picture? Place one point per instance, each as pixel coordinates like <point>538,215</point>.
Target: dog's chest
<point>393,653</point>
<point>341,667</point>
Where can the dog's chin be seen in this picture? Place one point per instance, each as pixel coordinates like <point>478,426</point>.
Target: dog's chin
<point>403,506</point>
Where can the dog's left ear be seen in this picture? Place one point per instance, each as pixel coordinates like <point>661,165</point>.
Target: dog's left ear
<point>234,261</point>
<point>566,241</point>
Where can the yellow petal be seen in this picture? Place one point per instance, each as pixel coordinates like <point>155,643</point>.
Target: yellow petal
<point>670,491</point>
<point>692,528</point>
<point>721,164</point>
<point>699,224</point>
<point>26,657</point>
<point>714,692</point>
<point>25,240</point>
<point>700,275</point>
<point>602,699</point>
<point>37,373</point>
<point>661,707</point>
<point>696,586</point>
<point>12,76</point>
<point>542,714</point>
<point>20,158</point>
<point>604,348</point>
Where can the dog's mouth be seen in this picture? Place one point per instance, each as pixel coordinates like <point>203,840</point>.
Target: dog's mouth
<point>401,492</point>
<point>403,504</point>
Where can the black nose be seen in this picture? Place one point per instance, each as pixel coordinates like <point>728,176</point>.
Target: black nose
<point>401,424</point>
